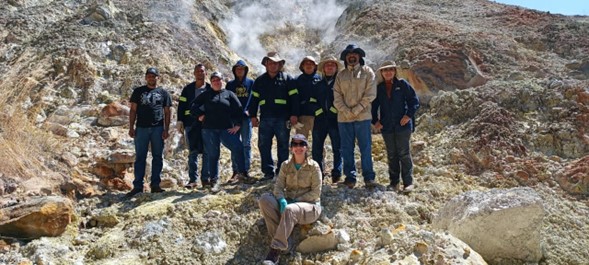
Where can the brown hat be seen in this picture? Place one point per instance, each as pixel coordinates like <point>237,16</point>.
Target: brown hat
<point>274,56</point>
<point>307,58</point>
<point>327,59</point>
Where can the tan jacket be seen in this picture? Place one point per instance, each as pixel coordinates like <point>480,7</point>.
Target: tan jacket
<point>353,92</point>
<point>303,185</point>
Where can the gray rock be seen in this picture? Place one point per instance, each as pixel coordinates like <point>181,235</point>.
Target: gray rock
<point>210,243</point>
<point>498,224</point>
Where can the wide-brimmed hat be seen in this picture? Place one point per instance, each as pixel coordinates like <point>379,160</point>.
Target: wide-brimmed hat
<point>152,70</point>
<point>274,56</point>
<point>384,65</point>
<point>299,137</point>
<point>307,58</point>
<point>387,64</point>
<point>351,48</point>
<point>327,59</point>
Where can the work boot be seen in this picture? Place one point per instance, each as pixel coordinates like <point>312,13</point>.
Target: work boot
<point>273,256</point>
<point>235,178</point>
<point>156,189</point>
<point>132,193</point>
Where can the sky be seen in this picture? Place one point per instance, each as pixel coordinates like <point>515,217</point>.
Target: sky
<point>565,7</point>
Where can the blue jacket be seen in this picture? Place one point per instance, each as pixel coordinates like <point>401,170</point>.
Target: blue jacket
<point>276,97</point>
<point>308,86</point>
<point>325,111</point>
<point>189,93</point>
<point>241,88</point>
<point>389,111</point>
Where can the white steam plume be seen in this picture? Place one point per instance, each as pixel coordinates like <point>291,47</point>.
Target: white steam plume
<point>255,19</point>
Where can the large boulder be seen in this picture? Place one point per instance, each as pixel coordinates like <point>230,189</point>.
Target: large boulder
<point>498,224</point>
<point>44,216</point>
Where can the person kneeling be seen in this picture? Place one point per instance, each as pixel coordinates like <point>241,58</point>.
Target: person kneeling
<point>295,199</point>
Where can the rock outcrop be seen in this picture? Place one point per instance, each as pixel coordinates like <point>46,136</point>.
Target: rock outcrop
<point>498,224</point>
<point>45,216</point>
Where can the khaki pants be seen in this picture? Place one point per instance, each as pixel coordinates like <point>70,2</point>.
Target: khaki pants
<point>281,225</point>
<point>307,122</point>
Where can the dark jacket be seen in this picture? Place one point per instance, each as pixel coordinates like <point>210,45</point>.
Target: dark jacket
<point>389,111</point>
<point>325,111</point>
<point>276,97</point>
<point>189,93</point>
<point>241,88</point>
<point>222,109</point>
<point>308,86</point>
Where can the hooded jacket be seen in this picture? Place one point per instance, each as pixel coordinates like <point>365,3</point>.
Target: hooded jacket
<point>308,87</point>
<point>353,93</point>
<point>241,88</point>
<point>389,111</point>
<point>303,185</point>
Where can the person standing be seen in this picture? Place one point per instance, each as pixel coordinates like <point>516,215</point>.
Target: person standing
<point>326,118</point>
<point>296,197</point>
<point>242,87</point>
<point>192,128</point>
<point>354,91</point>
<point>221,114</point>
<point>392,112</point>
<point>149,122</point>
<point>307,83</point>
<point>274,92</point>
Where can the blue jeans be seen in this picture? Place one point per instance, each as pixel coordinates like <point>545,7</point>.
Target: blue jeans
<point>144,137</point>
<point>399,157</point>
<point>246,138</point>
<point>270,127</point>
<point>193,135</point>
<point>212,144</point>
<point>320,132</point>
<point>350,131</point>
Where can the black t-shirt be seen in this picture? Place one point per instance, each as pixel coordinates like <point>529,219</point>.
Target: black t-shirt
<point>150,105</point>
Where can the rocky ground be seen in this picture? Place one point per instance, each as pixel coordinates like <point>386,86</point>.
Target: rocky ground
<point>505,105</point>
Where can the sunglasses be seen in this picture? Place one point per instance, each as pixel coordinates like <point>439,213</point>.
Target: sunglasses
<point>299,144</point>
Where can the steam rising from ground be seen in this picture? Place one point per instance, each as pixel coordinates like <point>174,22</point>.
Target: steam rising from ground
<point>308,26</point>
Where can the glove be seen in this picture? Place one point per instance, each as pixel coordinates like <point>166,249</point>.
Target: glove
<point>282,204</point>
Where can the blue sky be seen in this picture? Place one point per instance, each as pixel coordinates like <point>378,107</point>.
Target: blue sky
<point>565,7</point>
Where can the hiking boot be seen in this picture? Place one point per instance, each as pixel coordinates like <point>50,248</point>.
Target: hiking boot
<point>215,186</point>
<point>156,189</point>
<point>349,184</point>
<point>245,177</point>
<point>273,256</point>
<point>335,176</point>
<point>132,193</point>
<point>394,187</point>
<point>370,183</point>
<point>205,183</point>
<point>268,177</point>
<point>408,189</point>
<point>191,185</point>
<point>235,178</point>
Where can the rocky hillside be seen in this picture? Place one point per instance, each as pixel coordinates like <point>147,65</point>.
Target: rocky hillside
<point>501,149</point>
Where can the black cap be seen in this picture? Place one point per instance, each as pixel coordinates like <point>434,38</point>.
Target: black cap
<point>152,70</point>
